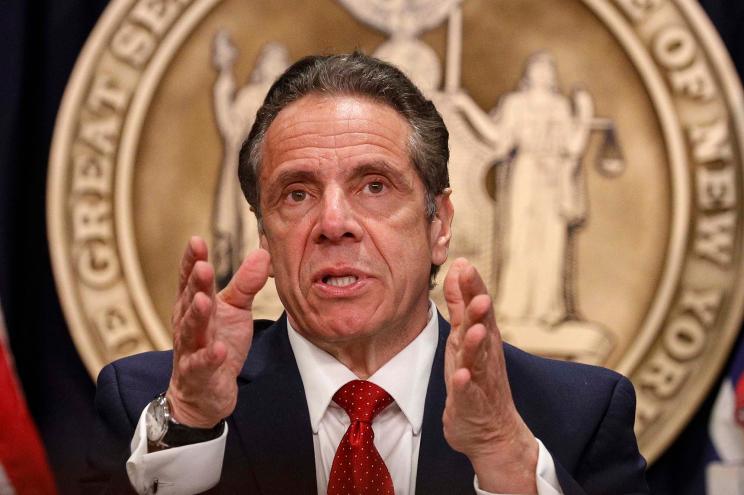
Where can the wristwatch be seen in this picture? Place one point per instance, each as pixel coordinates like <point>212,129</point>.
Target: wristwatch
<point>164,432</point>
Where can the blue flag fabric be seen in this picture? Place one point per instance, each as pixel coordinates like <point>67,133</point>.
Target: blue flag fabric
<point>725,468</point>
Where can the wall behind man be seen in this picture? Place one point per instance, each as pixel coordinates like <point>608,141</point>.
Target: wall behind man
<point>41,40</point>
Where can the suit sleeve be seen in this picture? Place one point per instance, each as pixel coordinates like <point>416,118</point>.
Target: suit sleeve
<point>108,446</point>
<point>611,462</point>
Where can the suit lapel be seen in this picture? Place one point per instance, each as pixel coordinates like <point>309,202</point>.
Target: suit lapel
<point>440,469</point>
<point>271,416</point>
<point>273,423</point>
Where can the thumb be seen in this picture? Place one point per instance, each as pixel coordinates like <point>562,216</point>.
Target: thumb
<point>248,280</point>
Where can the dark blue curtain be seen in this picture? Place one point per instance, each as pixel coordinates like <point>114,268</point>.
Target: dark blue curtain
<point>40,41</point>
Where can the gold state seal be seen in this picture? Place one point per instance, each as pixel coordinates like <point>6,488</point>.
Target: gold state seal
<point>596,168</point>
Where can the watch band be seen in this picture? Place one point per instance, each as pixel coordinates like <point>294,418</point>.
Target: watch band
<point>179,435</point>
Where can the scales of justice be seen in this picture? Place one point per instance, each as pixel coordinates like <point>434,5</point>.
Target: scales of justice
<point>519,230</point>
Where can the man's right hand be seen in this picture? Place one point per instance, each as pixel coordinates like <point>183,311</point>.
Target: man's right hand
<point>212,334</point>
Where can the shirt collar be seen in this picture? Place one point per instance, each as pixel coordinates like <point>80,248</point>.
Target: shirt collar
<point>405,377</point>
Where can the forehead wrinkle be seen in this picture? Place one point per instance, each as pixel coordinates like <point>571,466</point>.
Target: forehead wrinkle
<point>342,113</point>
<point>366,138</point>
<point>396,163</point>
<point>339,141</point>
<point>303,135</point>
<point>372,126</point>
<point>299,120</point>
<point>294,117</point>
<point>335,126</point>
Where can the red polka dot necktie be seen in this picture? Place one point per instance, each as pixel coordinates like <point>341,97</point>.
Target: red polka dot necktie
<point>357,467</point>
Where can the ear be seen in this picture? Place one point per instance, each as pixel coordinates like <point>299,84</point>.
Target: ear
<point>440,229</point>
<point>263,243</point>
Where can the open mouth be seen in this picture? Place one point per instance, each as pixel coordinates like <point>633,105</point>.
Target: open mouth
<point>339,281</point>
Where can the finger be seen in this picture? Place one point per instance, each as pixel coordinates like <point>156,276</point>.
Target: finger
<point>482,352</point>
<point>480,310</point>
<point>209,358</point>
<point>461,386</point>
<point>194,326</point>
<point>211,293</point>
<point>248,280</point>
<point>473,289</point>
<point>453,293</point>
<point>472,352</point>
<point>200,280</point>
<point>464,281</point>
<point>471,283</point>
<point>217,353</point>
<point>202,362</point>
<point>196,249</point>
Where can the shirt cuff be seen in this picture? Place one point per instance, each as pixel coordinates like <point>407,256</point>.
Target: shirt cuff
<point>545,475</point>
<point>179,470</point>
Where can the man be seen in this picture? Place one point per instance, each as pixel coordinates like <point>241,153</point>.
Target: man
<point>346,170</point>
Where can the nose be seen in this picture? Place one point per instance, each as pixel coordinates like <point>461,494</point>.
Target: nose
<point>337,220</point>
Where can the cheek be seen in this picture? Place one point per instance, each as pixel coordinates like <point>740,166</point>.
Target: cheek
<point>289,256</point>
<point>405,246</point>
<point>286,244</point>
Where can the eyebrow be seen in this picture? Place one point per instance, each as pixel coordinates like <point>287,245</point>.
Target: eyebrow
<point>286,177</point>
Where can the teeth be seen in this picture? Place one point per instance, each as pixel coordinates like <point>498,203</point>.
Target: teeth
<point>341,281</point>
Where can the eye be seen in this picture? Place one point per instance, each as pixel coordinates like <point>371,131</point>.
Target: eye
<point>297,196</point>
<point>375,187</point>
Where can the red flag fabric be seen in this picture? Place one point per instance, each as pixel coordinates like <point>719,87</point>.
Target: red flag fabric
<point>23,464</point>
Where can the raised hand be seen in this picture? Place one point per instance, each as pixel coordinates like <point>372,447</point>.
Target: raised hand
<point>480,419</point>
<point>212,335</point>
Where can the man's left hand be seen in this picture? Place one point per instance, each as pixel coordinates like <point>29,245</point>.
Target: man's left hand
<point>480,418</point>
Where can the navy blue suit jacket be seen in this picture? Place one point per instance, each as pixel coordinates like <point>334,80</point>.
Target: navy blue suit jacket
<point>583,414</point>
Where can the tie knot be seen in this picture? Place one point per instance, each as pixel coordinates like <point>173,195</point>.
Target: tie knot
<point>362,400</point>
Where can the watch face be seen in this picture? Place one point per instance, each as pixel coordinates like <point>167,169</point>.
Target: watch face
<point>155,421</point>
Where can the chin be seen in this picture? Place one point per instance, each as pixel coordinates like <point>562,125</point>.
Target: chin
<point>346,326</point>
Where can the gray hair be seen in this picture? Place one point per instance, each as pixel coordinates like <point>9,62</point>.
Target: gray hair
<point>354,74</point>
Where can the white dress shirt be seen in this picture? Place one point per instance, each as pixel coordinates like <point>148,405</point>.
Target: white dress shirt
<point>195,468</point>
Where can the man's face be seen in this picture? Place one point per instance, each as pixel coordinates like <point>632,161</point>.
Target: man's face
<point>344,221</point>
